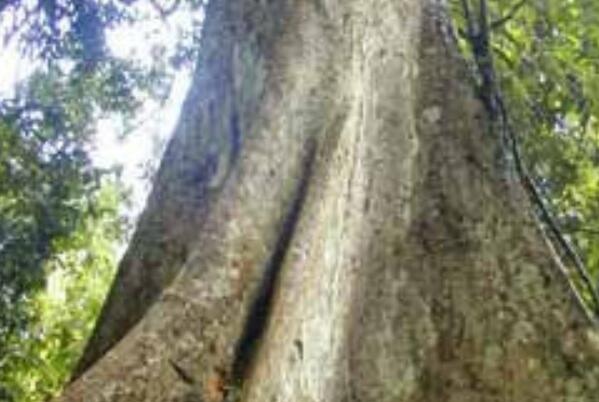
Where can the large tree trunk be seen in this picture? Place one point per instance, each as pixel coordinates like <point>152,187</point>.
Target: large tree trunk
<point>333,222</point>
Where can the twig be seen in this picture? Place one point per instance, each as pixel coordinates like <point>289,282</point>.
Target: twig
<point>585,230</point>
<point>511,14</point>
<point>469,20</point>
<point>503,56</point>
<point>165,12</point>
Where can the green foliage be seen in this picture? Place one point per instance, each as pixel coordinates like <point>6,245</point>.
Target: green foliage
<point>51,31</point>
<point>59,29</point>
<point>62,313</point>
<point>546,55</point>
<point>47,179</point>
<point>58,221</point>
<point>46,175</point>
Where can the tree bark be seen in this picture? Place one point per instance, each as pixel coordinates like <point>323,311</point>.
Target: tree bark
<point>333,221</point>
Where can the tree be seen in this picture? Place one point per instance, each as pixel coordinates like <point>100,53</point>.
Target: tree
<point>335,219</point>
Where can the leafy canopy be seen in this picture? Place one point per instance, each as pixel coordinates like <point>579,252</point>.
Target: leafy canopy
<point>546,64</point>
<point>37,361</point>
<point>60,215</point>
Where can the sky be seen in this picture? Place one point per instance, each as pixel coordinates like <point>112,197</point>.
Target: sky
<point>142,147</point>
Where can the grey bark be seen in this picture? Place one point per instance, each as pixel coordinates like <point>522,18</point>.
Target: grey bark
<point>333,221</point>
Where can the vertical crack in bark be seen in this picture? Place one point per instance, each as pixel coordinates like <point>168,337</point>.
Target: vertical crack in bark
<point>236,138</point>
<point>261,307</point>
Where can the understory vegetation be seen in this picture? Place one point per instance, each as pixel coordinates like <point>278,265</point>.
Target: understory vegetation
<point>535,64</point>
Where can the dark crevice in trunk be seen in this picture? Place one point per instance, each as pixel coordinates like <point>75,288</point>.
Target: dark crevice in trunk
<point>236,137</point>
<point>260,308</point>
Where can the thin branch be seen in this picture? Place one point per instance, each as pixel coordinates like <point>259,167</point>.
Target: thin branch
<point>511,14</point>
<point>165,12</point>
<point>503,56</point>
<point>590,231</point>
<point>469,21</point>
<point>483,19</point>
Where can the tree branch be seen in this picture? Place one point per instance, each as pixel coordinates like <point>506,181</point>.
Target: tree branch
<point>470,30</point>
<point>515,8</point>
<point>165,12</point>
<point>590,231</point>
